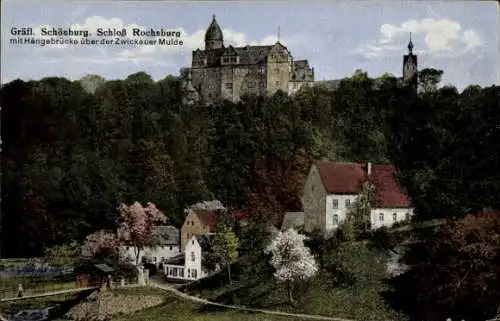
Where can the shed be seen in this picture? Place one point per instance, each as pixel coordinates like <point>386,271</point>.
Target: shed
<point>93,274</point>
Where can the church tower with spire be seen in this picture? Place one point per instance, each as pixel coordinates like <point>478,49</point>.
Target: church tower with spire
<point>410,67</point>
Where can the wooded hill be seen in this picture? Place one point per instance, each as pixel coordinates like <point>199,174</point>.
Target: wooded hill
<point>74,150</point>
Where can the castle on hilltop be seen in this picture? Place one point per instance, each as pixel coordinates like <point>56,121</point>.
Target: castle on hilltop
<point>228,73</point>
<point>220,72</point>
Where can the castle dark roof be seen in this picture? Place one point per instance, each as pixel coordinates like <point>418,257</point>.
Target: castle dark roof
<point>214,32</point>
<point>252,55</point>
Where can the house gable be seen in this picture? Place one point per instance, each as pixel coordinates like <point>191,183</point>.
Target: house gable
<point>192,226</point>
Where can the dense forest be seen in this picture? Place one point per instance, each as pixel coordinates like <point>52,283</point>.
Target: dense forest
<point>74,150</point>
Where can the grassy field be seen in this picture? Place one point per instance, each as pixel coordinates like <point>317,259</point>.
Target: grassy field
<point>175,309</point>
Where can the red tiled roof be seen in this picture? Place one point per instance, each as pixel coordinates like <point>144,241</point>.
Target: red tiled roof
<point>208,218</point>
<point>341,178</point>
<point>241,215</point>
<point>389,192</point>
<point>347,178</point>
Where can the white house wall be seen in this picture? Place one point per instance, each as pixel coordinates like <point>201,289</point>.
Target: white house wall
<point>156,255</point>
<point>388,216</point>
<point>193,247</point>
<point>340,212</point>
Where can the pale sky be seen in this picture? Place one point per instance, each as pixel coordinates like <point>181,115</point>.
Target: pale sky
<point>461,38</point>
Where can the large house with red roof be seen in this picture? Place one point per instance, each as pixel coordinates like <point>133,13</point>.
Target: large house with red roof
<point>332,188</point>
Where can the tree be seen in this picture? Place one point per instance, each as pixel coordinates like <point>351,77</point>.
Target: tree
<point>90,83</point>
<point>454,271</point>
<point>358,218</point>
<point>429,79</point>
<point>102,245</point>
<point>62,255</point>
<point>137,227</point>
<point>291,259</point>
<point>225,246</point>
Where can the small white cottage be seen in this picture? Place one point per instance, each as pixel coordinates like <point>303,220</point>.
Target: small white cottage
<point>189,265</point>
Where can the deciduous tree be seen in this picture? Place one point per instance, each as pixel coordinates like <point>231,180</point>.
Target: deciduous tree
<point>225,245</point>
<point>137,226</point>
<point>291,259</point>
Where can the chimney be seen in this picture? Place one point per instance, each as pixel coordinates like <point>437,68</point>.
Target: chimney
<point>369,169</point>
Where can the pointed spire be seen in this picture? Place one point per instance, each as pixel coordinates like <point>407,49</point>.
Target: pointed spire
<point>279,33</point>
<point>410,46</point>
<point>213,17</point>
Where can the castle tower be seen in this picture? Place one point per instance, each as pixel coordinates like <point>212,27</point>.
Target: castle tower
<point>213,36</point>
<point>410,67</point>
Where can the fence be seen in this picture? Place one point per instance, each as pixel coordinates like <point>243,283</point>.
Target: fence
<point>33,285</point>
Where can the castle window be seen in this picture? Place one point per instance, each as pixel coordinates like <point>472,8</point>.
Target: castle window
<point>394,217</point>
<point>335,203</point>
<point>251,84</point>
<point>211,86</point>
<point>348,203</point>
<point>233,59</point>
<point>229,85</point>
<point>381,217</point>
<point>407,216</point>
<point>335,219</point>
<point>192,257</point>
<point>277,84</point>
<point>225,60</point>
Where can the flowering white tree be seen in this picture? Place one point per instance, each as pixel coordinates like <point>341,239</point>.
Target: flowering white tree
<point>291,259</point>
<point>207,206</point>
<point>137,227</point>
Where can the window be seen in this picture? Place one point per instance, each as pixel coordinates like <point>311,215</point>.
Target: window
<point>154,259</point>
<point>162,259</point>
<point>192,242</point>
<point>312,188</point>
<point>193,257</point>
<point>189,273</point>
<point>170,247</point>
<point>211,86</point>
<point>194,273</point>
<point>335,219</point>
<point>251,84</point>
<point>335,203</point>
<point>407,215</point>
<point>277,84</point>
<point>347,203</point>
<point>381,217</point>
<point>394,217</point>
<point>229,85</point>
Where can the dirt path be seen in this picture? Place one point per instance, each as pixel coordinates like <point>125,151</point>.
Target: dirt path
<point>164,287</point>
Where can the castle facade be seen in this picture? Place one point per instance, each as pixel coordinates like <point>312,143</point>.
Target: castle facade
<point>227,73</point>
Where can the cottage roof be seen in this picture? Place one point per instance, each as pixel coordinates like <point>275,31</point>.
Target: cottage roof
<point>341,178</point>
<point>207,217</point>
<point>347,178</point>
<point>104,268</point>
<point>169,235</point>
<point>389,192</point>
